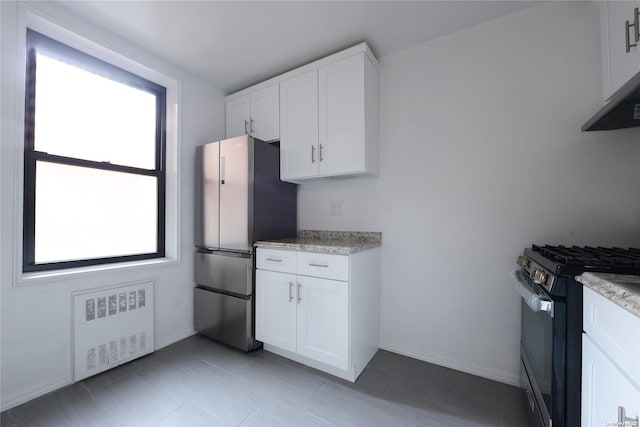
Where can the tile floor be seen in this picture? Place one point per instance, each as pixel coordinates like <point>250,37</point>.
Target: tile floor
<point>197,382</point>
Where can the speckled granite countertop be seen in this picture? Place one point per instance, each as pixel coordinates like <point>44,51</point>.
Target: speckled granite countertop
<point>621,289</point>
<point>327,242</point>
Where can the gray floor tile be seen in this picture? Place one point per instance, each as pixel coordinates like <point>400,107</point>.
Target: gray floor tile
<point>281,413</point>
<point>345,406</point>
<point>198,382</point>
<point>269,377</point>
<point>190,415</point>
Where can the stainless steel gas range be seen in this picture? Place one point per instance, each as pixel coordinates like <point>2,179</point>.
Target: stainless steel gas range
<point>550,341</point>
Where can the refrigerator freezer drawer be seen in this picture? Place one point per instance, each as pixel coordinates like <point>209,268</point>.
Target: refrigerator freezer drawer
<point>225,271</point>
<point>225,318</point>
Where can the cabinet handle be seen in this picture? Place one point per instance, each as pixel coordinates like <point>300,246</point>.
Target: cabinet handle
<point>313,264</point>
<point>251,125</point>
<point>321,159</point>
<point>290,289</point>
<point>299,297</point>
<point>274,259</point>
<point>246,126</point>
<point>623,420</point>
<point>636,23</point>
<point>627,27</point>
<point>313,154</point>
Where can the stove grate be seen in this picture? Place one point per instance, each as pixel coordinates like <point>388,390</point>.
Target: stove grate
<point>590,256</point>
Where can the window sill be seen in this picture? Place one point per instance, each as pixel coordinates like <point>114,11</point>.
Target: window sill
<point>81,272</point>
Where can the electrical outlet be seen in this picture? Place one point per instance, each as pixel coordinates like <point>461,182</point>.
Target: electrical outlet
<point>336,207</point>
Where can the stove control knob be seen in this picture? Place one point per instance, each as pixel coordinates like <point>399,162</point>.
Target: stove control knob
<point>523,261</point>
<point>538,276</point>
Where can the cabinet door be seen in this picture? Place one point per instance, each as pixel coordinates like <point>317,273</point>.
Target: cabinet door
<point>265,114</point>
<point>618,64</point>
<point>604,389</point>
<point>299,126</point>
<point>238,112</point>
<point>323,320</point>
<point>341,89</point>
<point>276,309</point>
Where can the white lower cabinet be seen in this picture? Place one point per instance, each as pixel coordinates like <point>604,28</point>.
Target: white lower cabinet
<point>610,364</point>
<point>323,322</point>
<point>605,389</point>
<point>330,323</point>
<point>276,309</point>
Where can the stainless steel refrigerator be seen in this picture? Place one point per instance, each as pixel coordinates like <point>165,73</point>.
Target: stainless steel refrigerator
<point>239,200</point>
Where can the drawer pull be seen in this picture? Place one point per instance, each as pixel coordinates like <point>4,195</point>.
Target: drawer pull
<point>274,259</point>
<point>313,264</point>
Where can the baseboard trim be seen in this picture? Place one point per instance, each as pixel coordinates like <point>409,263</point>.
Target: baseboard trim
<point>174,338</point>
<point>34,393</point>
<point>448,363</point>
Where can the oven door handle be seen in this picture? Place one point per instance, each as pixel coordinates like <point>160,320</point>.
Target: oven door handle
<point>536,302</point>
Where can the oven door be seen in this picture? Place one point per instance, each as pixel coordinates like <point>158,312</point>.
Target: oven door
<point>536,341</point>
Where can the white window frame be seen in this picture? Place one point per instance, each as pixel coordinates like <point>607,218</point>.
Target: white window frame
<point>29,17</point>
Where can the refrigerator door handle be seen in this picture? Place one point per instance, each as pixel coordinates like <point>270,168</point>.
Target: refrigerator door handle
<point>222,169</point>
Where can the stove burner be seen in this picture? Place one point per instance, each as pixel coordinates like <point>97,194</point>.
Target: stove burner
<point>590,256</point>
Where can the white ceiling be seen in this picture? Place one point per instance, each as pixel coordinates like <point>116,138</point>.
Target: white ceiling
<point>234,44</point>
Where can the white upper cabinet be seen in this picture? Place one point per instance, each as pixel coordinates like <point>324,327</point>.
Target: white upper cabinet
<point>299,126</point>
<point>325,115</point>
<point>238,112</point>
<point>620,38</point>
<point>342,137</point>
<point>341,89</point>
<point>256,113</point>
<point>265,114</point>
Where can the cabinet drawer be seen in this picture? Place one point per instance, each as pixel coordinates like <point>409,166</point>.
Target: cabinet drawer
<point>326,266</point>
<point>614,330</point>
<point>276,260</point>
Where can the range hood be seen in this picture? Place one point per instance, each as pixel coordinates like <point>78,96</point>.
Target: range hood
<point>622,110</point>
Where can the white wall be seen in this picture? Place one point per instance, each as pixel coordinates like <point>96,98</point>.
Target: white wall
<point>481,156</point>
<point>36,318</point>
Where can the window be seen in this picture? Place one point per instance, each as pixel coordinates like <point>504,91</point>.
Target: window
<point>94,161</point>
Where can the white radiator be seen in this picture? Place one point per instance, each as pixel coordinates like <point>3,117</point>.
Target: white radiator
<point>111,326</point>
